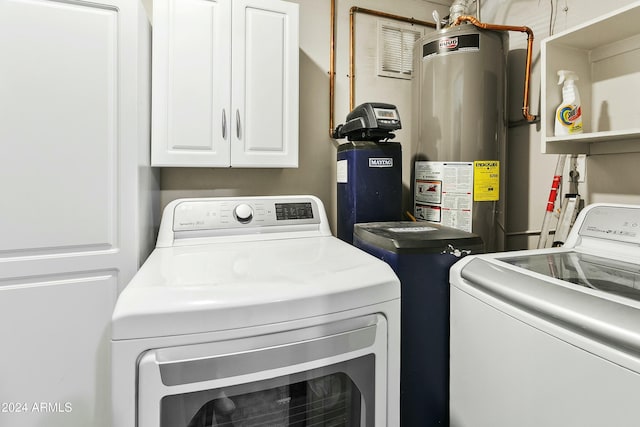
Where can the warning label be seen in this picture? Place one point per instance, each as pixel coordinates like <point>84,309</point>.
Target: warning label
<point>443,193</point>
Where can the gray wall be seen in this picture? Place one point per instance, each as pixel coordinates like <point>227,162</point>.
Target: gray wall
<point>316,174</point>
<point>609,177</point>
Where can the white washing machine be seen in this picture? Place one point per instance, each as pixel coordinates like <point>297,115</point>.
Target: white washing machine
<point>249,312</point>
<point>551,337</point>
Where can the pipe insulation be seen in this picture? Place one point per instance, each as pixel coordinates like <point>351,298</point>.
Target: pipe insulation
<point>459,8</point>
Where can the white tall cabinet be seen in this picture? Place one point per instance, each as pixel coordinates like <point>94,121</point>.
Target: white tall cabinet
<point>225,83</point>
<point>76,199</point>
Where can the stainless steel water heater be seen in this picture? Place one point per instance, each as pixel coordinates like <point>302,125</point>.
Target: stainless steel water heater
<point>459,130</point>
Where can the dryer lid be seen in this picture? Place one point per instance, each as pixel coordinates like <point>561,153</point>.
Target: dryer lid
<point>214,287</point>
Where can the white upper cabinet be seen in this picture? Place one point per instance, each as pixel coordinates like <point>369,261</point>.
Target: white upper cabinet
<point>225,83</point>
<point>605,53</point>
<point>265,101</point>
<point>191,89</point>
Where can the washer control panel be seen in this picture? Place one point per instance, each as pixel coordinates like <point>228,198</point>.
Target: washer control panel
<point>616,223</point>
<point>227,213</point>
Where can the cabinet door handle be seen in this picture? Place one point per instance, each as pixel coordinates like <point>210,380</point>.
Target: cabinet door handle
<point>238,123</point>
<point>224,124</point>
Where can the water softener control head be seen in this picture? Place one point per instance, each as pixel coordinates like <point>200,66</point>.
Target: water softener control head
<point>371,121</point>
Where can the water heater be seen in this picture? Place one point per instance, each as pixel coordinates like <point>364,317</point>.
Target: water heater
<point>459,130</point>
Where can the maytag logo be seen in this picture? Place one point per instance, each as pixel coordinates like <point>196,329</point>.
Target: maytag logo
<point>380,162</point>
<point>451,43</point>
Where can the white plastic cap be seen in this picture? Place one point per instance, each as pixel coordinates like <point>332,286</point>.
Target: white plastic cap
<point>567,75</point>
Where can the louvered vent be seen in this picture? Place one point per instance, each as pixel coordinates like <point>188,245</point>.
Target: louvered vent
<point>395,50</point>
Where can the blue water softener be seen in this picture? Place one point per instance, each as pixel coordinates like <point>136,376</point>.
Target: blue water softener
<point>421,254</point>
<point>369,169</point>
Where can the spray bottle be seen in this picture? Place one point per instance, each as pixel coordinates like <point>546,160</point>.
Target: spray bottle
<point>569,113</point>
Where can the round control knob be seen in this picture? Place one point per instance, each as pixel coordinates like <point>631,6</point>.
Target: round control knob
<point>243,213</point>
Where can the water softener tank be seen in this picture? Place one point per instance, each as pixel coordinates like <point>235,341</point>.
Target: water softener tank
<point>369,168</point>
<point>459,131</point>
<point>369,184</point>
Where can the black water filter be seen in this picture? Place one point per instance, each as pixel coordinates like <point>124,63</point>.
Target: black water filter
<point>369,176</point>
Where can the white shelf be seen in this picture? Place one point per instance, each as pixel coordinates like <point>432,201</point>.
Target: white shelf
<point>620,141</point>
<point>605,53</point>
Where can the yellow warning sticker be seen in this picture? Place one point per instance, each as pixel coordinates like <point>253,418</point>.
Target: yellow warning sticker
<point>486,180</point>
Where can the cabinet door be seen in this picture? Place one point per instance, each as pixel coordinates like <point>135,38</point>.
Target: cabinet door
<point>70,121</point>
<point>191,82</point>
<point>265,84</point>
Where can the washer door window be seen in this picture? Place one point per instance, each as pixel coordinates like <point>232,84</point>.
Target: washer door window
<point>327,375</point>
<point>593,272</point>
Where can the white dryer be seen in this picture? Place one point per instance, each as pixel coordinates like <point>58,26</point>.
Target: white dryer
<point>551,337</point>
<point>249,312</point>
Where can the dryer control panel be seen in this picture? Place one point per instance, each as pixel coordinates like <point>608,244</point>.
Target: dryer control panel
<point>224,216</point>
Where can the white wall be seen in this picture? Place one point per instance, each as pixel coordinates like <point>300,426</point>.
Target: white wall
<point>609,177</point>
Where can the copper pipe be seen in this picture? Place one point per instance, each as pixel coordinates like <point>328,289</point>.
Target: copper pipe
<point>332,67</point>
<point>352,42</point>
<point>527,77</point>
<point>332,56</point>
<point>352,50</point>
